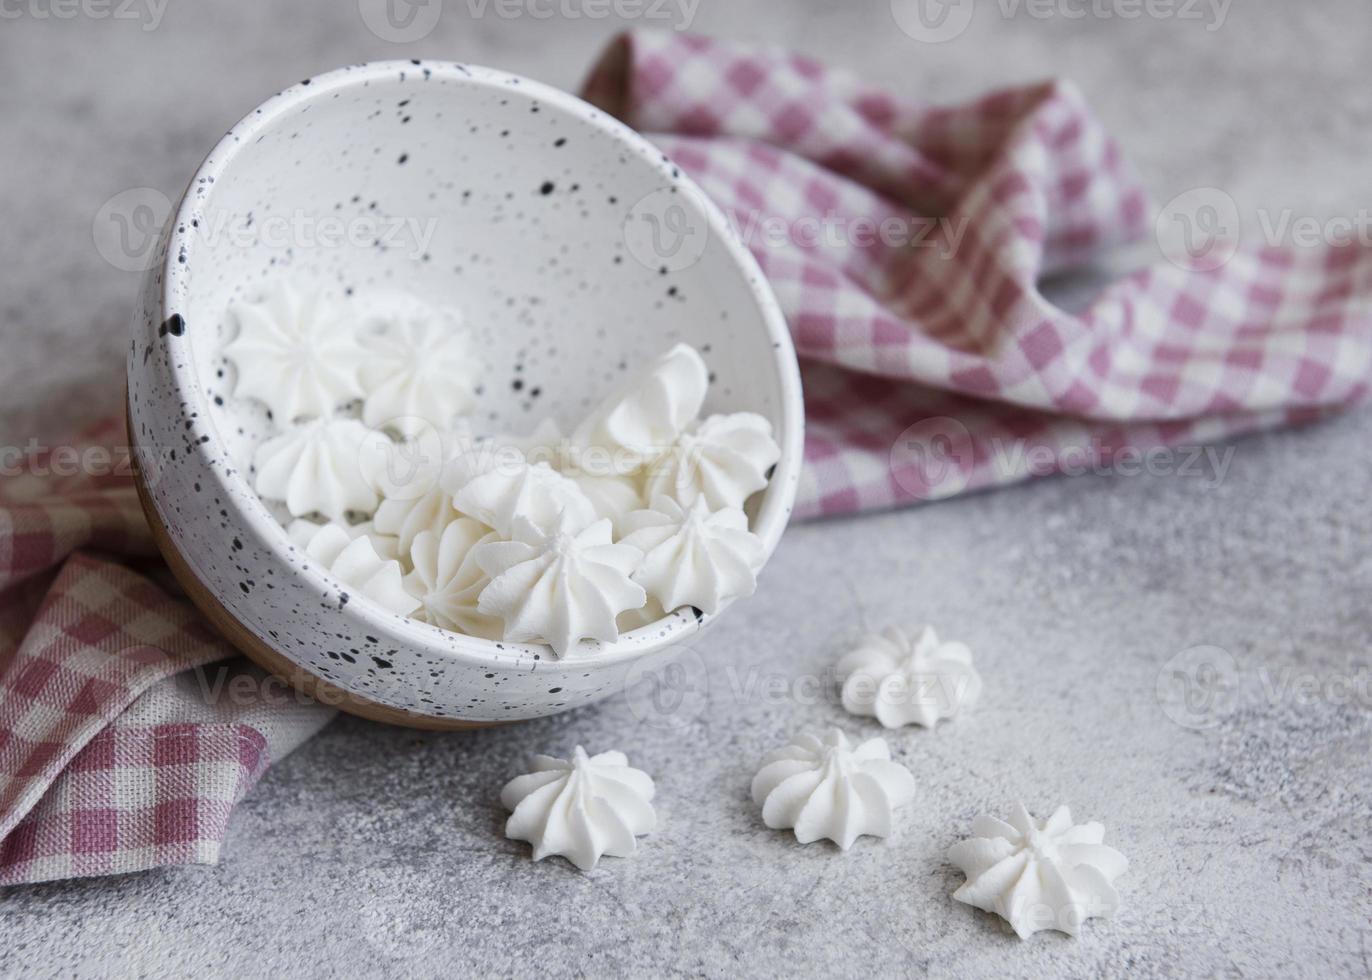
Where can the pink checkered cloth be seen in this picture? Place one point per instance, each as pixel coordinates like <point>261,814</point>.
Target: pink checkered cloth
<point>933,363</point>
<point>121,747</point>
<point>931,366</point>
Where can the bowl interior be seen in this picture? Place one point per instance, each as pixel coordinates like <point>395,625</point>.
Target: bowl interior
<point>575,250</point>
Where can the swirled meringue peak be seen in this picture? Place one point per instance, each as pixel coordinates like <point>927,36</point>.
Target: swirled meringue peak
<point>1050,874</point>
<point>641,421</point>
<point>827,787</point>
<point>580,809</point>
<point>903,677</point>
<point>420,372</point>
<point>692,556</point>
<point>322,466</point>
<point>559,586</point>
<point>297,352</point>
<point>407,518</point>
<point>537,494</point>
<point>725,459</point>
<point>447,580</point>
<point>354,561</point>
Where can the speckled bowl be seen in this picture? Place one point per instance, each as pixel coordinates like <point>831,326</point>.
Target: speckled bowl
<point>577,252</point>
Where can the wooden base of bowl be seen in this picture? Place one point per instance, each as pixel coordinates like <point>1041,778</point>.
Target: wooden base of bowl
<point>256,650</point>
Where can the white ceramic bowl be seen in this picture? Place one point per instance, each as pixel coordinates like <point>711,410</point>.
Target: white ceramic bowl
<point>575,249</point>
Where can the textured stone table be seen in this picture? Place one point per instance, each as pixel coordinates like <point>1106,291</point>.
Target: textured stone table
<point>1246,818</point>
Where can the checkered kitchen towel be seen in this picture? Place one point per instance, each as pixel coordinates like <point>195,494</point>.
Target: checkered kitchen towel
<point>933,364</point>
<point>116,753</point>
<point>906,243</point>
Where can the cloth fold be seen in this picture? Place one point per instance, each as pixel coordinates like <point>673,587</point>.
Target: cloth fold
<point>933,363</point>
<point>907,244</point>
<point>120,748</point>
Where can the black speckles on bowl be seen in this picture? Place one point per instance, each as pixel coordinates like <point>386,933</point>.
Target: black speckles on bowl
<point>465,187</point>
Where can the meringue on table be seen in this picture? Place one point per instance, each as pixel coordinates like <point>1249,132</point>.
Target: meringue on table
<point>908,677</point>
<point>580,809</point>
<point>1050,874</point>
<point>827,787</point>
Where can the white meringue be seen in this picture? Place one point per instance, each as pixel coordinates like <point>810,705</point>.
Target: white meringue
<point>297,352</point>
<point>355,562</point>
<point>828,788</point>
<point>645,615</point>
<point>302,531</point>
<point>386,545</point>
<point>545,444</point>
<point>466,457</point>
<point>559,586</point>
<point>903,678</point>
<point>447,580</point>
<point>408,469</point>
<point>420,372</point>
<point>580,809</point>
<point>613,497</point>
<point>725,459</point>
<point>405,519</point>
<point>538,494</point>
<point>322,466</point>
<point>642,420</point>
<point>692,557</point>
<point>1049,875</point>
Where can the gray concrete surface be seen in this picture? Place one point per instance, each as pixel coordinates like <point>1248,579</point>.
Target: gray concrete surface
<point>1246,816</point>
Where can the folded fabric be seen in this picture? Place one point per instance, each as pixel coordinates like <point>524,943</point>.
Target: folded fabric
<point>121,748</point>
<point>907,244</point>
<point>932,364</point>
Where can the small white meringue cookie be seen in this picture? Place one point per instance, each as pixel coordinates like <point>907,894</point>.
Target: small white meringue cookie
<point>826,787</point>
<point>905,677</point>
<point>692,557</point>
<point>642,420</point>
<point>1039,875</point>
<point>725,459</point>
<point>354,562</point>
<point>537,494</point>
<point>323,466</point>
<point>580,809</point>
<point>560,586</point>
<point>405,519</point>
<point>613,497</point>
<point>302,531</point>
<point>544,444</point>
<point>297,352</point>
<point>447,580</point>
<point>420,371</point>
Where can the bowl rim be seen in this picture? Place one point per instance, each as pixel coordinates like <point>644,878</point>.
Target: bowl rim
<point>248,510</point>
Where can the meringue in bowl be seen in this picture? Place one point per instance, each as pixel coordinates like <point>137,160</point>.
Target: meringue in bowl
<point>576,254</point>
